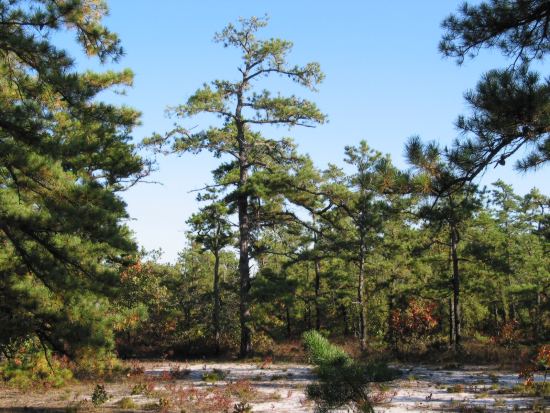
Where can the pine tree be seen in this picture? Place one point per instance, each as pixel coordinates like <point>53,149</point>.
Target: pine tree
<point>359,200</point>
<point>241,109</point>
<point>211,228</point>
<point>519,28</point>
<point>64,155</point>
<point>509,106</point>
<point>447,206</point>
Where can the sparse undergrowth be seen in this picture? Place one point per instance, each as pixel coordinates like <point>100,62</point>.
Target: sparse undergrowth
<point>31,366</point>
<point>215,375</point>
<point>532,389</point>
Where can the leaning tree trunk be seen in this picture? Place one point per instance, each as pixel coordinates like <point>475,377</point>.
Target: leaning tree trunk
<point>456,289</point>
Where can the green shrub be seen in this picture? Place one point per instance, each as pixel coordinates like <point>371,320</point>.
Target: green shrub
<point>127,403</point>
<point>31,366</point>
<point>139,388</point>
<point>99,396</point>
<point>96,364</point>
<point>215,375</point>
<point>343,382</point>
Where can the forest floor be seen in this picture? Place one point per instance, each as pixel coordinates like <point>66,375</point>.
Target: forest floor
<point>213,386</point>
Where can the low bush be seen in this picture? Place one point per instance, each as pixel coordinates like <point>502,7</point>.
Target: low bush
<point>457,388</point>
<point>127,403</point>
<point>93,364</point>
<point>215,375</point>
<point>533,389</point>
<point>32,366</point>
<point>343,382</point>
<point>99,395</point>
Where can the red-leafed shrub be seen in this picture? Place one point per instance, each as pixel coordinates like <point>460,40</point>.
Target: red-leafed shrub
<point>508,335</point>
<point>541,362</point>
<point>414,326</point>
<point>417,319</point>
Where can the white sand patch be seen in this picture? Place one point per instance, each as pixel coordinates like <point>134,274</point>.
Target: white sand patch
<point>421,388</point>
<point>281,388</point>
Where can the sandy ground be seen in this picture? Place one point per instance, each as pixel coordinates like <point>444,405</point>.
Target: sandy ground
<point>424,388</point>
<point>281,388</point>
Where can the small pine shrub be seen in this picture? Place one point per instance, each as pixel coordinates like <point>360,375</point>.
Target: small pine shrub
<point>215,375</point>
<point>242,390</point>
<point>541,389</point>
<point>343,382</point>
<point>99,396</point>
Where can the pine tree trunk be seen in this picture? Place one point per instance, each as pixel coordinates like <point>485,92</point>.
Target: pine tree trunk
<point>216,313</point>
<point>244,228</point>
<point>452,331</point>
<point>244,275</point>
<point>456,289</point>
<point>536,321</point>
<point>361,299</point>
<point>317,294</point>
<point>288,330</point>
<point>495,316</point>
<point>345,319</point>
<point>392,339</point>
<point>505,307</point>
<point>244,243</point>
<point>317,267</point>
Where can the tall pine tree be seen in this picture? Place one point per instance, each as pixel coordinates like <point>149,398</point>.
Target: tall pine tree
<point>64,155</point>
<point>241,109</point>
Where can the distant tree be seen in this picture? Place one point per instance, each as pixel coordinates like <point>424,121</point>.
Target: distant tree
<point>210,228</point>
<point>359,200</point>
<point>510,259</point>
<point>147,286</point>
<point>536,209</point>
<point>241,108</point>
<point>64,155</point>
<point>447,206</point>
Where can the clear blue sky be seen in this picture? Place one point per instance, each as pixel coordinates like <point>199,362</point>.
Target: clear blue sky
<point>385,81</point>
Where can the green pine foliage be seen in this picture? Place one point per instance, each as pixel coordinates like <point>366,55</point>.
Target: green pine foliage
<point>509,107</point>
<point>64,155</point>
<point>257,169</point>
<point>31,365</point>
<point>342,381</point>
